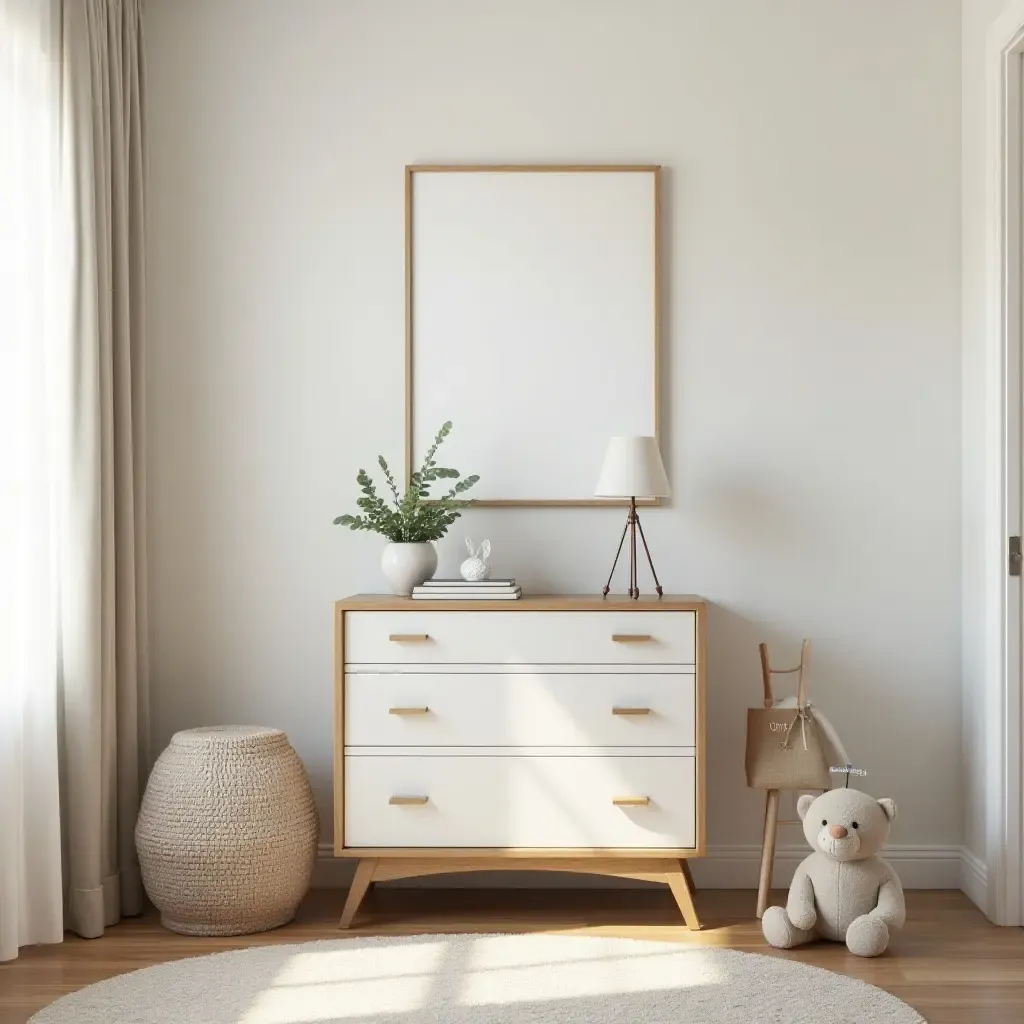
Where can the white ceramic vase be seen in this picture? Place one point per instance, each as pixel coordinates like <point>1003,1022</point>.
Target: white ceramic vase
<point>408,565</point>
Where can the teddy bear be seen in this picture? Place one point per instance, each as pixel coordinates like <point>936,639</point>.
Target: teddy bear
<point>843,891</point>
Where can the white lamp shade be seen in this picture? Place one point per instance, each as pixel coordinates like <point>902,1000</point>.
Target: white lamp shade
<point>633,469</point>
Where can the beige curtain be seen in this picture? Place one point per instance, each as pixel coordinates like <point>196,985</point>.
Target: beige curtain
<point>104,705</point>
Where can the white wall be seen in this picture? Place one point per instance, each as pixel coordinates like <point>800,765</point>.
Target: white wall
<point>812,370</point>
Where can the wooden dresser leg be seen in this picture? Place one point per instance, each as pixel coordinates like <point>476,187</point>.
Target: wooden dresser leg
<point>357,890</point>
<point>677,882</point>
<point>771,820</point>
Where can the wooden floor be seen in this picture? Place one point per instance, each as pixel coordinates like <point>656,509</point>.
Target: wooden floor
<point>949,962</point>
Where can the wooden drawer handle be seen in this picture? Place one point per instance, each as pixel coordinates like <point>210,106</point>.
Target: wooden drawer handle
<point>408,638</point>
<point>408,711</point>
<point>408,801</point>
<point>632,801</point>
<point>631,711</point>
<point>631,638</point>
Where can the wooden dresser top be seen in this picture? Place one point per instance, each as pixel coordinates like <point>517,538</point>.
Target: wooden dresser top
<point>527,603</point>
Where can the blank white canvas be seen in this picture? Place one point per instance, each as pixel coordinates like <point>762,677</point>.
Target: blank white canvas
<point>534,323</point>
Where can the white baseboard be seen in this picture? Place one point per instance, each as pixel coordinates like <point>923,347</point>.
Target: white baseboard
<point>724,867</point>
<point>974,879</point>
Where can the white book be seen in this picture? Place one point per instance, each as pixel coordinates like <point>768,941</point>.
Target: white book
<point>464,590</point>
<point>461,583</point>
<point>434,594</point>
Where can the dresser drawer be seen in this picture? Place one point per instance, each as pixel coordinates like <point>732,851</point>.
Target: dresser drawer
<point>520,802</point>
<point>525,638</point>
<point>498,709</point>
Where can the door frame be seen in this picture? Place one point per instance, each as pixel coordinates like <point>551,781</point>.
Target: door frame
<point>1001,696</point>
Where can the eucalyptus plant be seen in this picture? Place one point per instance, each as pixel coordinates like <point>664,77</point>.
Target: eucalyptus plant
<point>415,517</point>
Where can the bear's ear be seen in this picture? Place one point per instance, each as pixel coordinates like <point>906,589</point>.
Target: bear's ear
<point>803,804</point>
<point>889,806</point>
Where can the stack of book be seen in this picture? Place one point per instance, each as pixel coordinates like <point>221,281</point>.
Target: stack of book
<point>467,590</point>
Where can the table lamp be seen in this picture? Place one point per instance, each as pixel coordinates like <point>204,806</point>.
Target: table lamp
<point>632,469</point>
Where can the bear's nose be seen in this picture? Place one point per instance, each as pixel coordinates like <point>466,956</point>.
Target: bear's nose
<point>838,832</point>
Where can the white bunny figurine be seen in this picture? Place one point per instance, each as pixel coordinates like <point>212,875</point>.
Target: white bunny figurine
<point>475,567</point>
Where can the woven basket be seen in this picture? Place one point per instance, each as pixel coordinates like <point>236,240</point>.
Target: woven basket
<point>227,833</point>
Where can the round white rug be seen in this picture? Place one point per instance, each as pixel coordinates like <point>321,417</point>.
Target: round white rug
<point>480,979</point>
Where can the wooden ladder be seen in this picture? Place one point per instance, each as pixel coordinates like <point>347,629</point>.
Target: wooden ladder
<point>771,806</point>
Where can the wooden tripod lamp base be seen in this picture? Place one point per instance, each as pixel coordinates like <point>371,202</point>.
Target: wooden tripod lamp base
<point>631,527</point>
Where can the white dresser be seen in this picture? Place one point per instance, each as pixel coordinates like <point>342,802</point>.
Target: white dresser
<point>550,733</point>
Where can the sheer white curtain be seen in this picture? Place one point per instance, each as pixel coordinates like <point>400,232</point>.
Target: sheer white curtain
<point>73,695</point>
<point>33,308</point>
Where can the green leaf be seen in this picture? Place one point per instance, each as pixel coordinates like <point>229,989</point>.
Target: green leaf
<point>415,515</point>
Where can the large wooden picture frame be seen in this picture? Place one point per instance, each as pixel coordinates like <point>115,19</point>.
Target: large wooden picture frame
<point>532,321</point>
